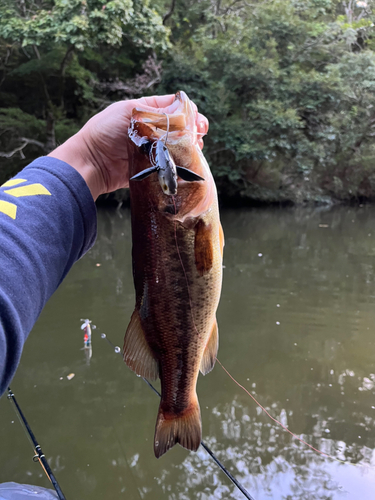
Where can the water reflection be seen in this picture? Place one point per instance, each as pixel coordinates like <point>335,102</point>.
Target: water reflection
<point>296,328</point>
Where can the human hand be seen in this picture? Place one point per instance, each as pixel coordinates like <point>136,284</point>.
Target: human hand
<point>99,150</point>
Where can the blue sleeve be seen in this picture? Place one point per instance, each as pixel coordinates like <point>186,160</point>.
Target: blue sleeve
<point>47,222</point>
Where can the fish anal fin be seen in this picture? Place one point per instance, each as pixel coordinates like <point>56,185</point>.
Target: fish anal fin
<point>137,353</point>
<point>204,252</point>
<point>184,428</point>
<point>210,352</point>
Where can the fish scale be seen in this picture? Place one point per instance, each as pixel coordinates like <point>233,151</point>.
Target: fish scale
<point>177,270</point>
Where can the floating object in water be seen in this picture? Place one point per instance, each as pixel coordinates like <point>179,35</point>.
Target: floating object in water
<point>87,343</point>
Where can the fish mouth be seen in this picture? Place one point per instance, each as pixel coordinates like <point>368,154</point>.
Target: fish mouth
<point>178,119</point>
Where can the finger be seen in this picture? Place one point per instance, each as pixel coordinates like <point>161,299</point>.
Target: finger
<point>156,101</point>
<point>195,107</point>
<point>153,104</point>
<point>202,124</point>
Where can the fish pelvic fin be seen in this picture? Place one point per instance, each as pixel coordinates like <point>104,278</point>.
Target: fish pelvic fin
<point>184,428</point>
<point>137,353</point>
<point>210,352</point>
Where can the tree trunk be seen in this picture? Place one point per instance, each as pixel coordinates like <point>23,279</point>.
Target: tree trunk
<point>50,132</point>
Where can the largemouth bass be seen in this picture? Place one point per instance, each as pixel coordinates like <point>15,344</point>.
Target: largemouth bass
<point>177,268</point>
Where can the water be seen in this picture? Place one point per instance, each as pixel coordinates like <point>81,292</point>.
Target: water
<point>296,323</point>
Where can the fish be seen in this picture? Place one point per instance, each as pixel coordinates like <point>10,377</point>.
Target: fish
<point>177,270</point>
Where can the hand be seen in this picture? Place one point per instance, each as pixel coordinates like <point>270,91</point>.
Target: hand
<point>99,150</point>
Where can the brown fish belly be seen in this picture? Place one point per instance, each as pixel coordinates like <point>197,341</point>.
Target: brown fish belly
<point>177,269</point>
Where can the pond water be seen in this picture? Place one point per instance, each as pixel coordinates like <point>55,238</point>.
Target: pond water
<point>297,329</point>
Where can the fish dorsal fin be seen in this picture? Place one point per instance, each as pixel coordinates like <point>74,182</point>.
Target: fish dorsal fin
<point>137,353</point>
<point>210,352</point>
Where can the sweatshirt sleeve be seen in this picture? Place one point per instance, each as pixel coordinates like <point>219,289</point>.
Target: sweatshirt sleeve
<point>47,222</point>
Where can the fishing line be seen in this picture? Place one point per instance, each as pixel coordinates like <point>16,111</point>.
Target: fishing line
<point>114,347</point>
<point>228,474</point>
<point>183,268</point>
<point>165,142</point>
<point>117,350</point>
<point>241,386</point>
<point>39,455</point>
<point>286,428</point>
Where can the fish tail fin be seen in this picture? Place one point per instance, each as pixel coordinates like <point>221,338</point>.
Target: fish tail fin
<point>184,428</point>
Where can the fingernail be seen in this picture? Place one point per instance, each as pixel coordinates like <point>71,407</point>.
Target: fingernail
<point>201,126</point>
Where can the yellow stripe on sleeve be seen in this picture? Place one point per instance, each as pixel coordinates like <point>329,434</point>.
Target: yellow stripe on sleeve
<point>31,190</point>
<point>13,182</point>
<point>9,209</point>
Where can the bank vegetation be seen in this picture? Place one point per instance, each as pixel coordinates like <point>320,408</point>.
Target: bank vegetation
<point>288,85</point>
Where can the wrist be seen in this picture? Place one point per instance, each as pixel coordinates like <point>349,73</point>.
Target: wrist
<point>76,152</point>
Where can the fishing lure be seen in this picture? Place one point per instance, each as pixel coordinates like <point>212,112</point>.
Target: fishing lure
<point>162,162</point>
<point>87,345</point>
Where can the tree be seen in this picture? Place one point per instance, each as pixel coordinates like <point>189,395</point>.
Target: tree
<point>273,78</point>
<point>286,84</point>
<point>49,54</point>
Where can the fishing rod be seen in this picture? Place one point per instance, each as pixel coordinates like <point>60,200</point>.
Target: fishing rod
<point>117,350</point>
<point>39,455</point>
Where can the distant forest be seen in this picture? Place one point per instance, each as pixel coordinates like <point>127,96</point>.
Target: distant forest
<point>287,85</point>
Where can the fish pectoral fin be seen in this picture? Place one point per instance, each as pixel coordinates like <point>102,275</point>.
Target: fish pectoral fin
<point>184,428</point>
<point>203,247</point>
<point>137,353</point>
<point>210,352</point>
<point>143,174</point>
<point>221,238</point>
<point>188,175</point>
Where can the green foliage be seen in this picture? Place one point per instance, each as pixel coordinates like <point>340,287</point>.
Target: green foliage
<point>288,85</point>
<point>288,97</point>
<point>15,123</point>
<point>14,120</point>
<point>53,54</point>
<point>82,23</point>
